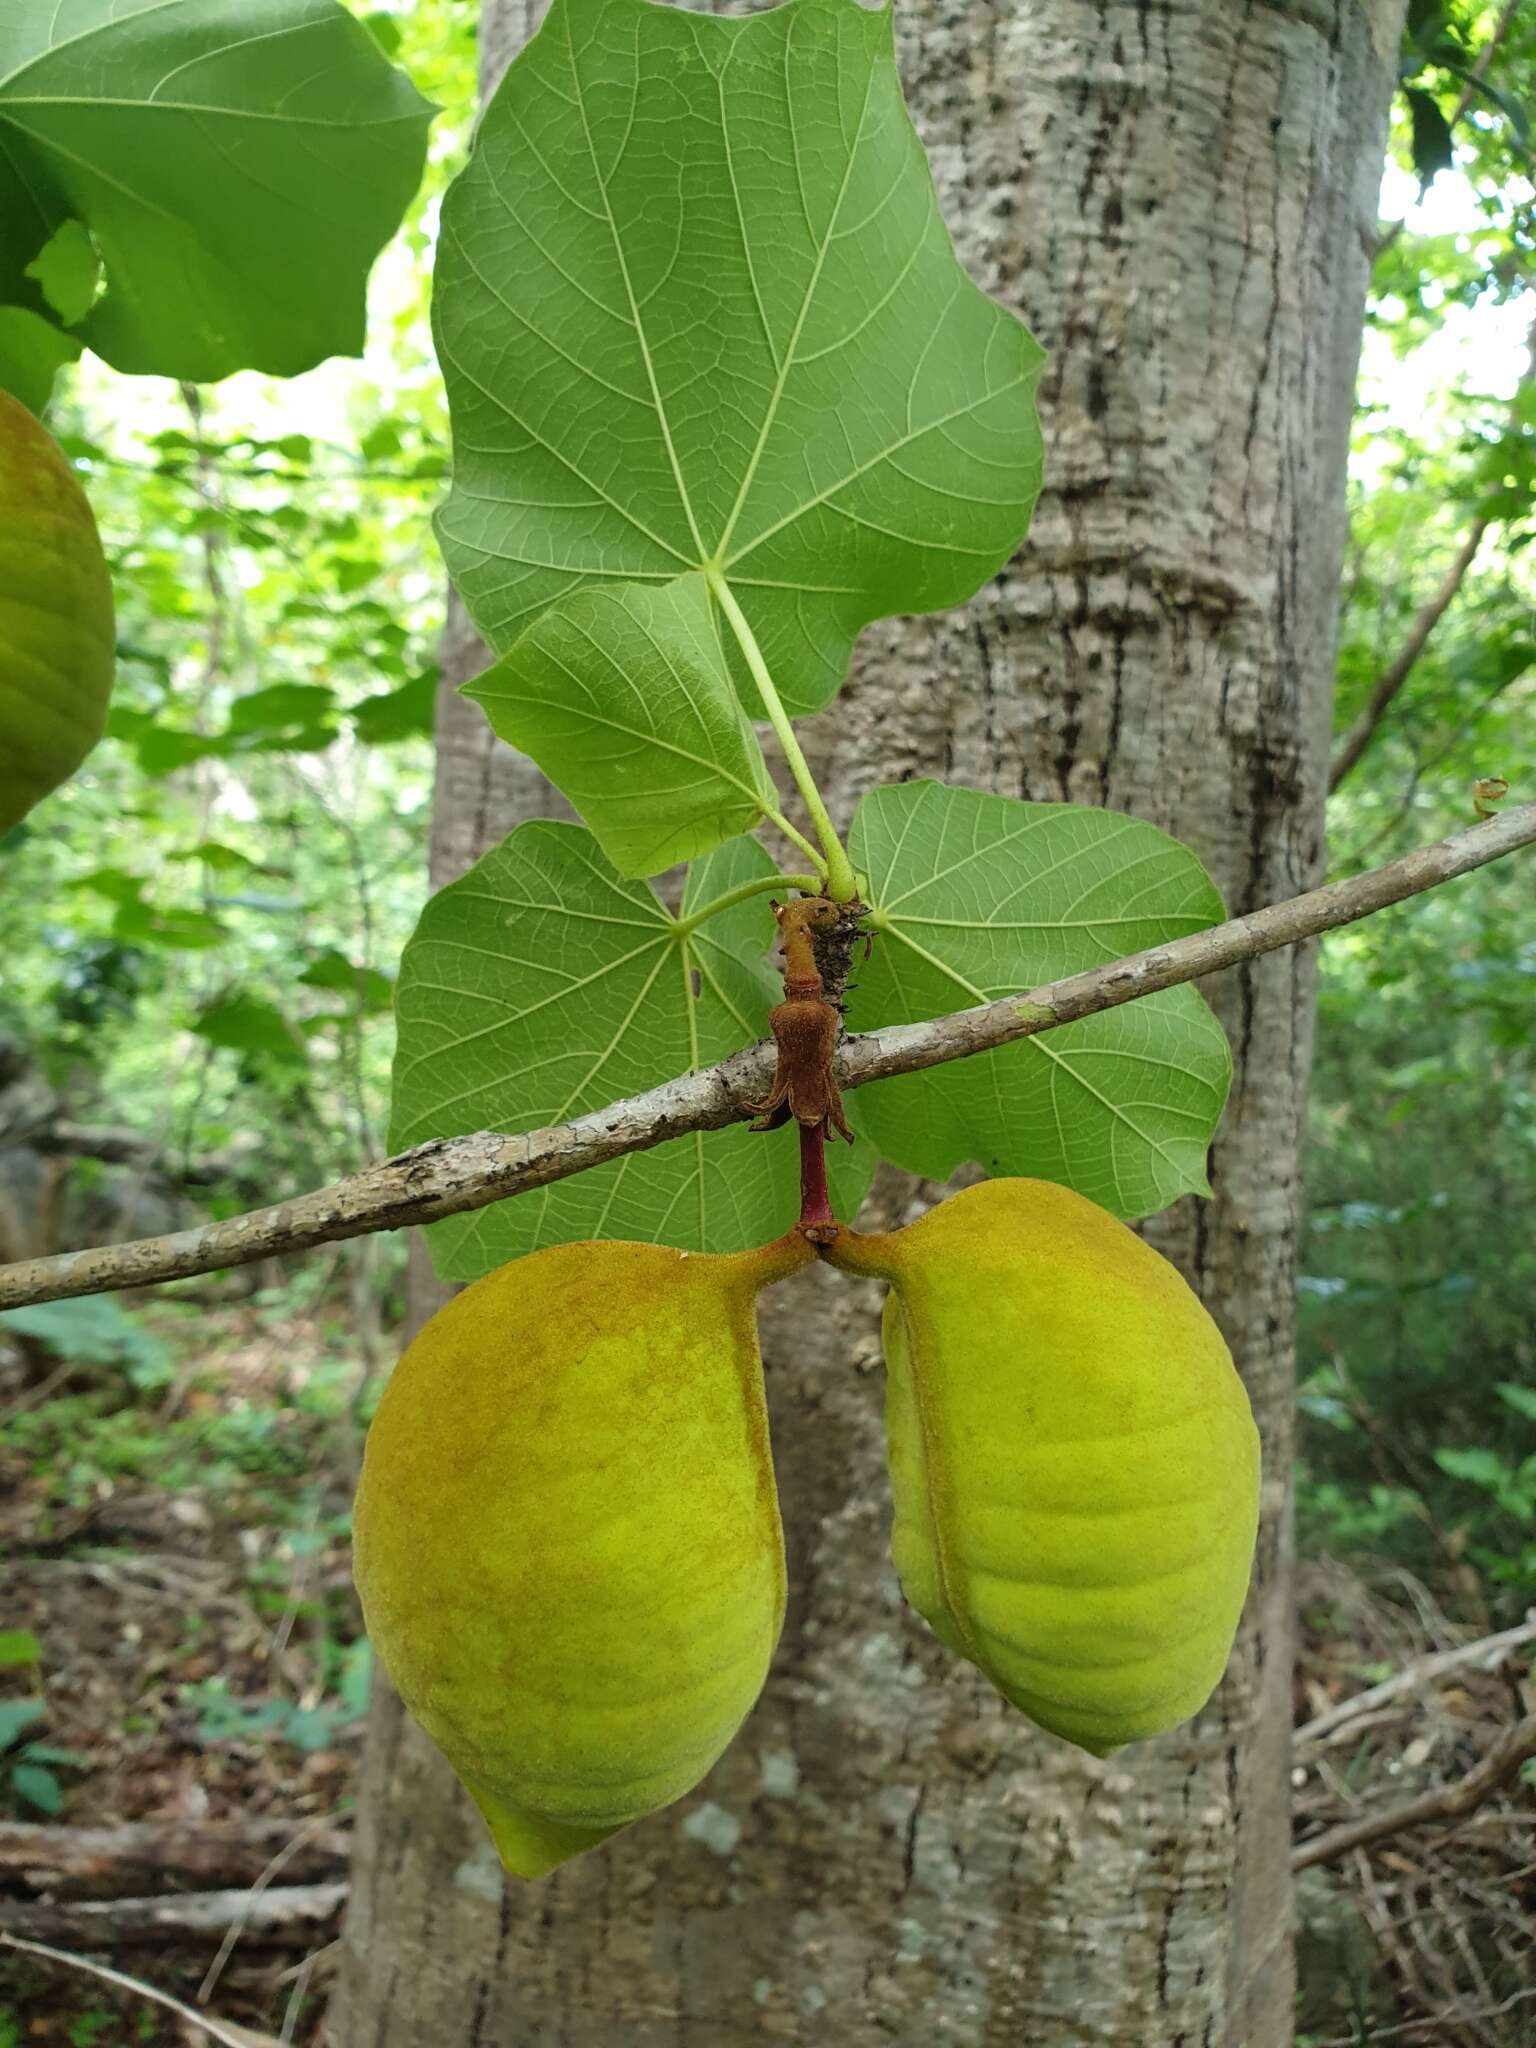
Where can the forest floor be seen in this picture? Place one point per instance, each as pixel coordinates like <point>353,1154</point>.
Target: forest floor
<point>181,1667</point>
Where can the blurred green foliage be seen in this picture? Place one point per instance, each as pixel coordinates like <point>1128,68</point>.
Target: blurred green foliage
<point>1418,1336</point>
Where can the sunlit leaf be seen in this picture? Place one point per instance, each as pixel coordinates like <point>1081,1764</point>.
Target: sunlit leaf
<point>624,699</point>
<point>238,164</point>
<point>67,270</point>
<point>696,306</point>
<point>980,896</point>
<point>544,984</point>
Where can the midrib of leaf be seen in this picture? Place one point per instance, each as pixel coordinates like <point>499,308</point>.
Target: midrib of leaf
<point>1038,1044</point>
<point>634,924</point>
<point>555,348</point>
<point>747,1027</point>
<point>771,411</point>
<point>608,1050</point>
<point>1086,925</point>
<point>629,290</point>
<point>90,103</point>
<point>881,455</point>
<point>56,148</point>
<point>49,143</point>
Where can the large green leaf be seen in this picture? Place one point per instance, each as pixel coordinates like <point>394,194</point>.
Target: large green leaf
<point>238,164</point>
<point>624,699</point>
<point>979,896</point>
<point>696,307</point>
<point>544,984</point>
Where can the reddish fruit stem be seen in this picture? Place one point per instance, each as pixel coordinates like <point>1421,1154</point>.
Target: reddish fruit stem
<point>815,1203</point>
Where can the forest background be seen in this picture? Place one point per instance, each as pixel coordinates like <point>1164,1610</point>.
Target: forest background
<point>197,938</point>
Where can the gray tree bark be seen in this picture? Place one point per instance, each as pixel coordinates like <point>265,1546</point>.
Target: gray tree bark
<point>1179,196</point>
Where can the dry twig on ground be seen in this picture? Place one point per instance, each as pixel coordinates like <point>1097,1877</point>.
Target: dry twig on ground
<point>1442,1804</point>
<point>1486,1653</point>
<point>217,2030</point>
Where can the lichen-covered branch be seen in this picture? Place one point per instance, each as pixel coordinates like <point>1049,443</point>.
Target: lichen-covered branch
<point>450,1175</point>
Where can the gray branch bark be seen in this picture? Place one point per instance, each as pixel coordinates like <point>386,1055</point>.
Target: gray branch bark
<point>447,1176</point>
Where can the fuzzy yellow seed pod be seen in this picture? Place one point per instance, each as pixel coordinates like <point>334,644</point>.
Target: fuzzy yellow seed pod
<point>567,1537</point>
<point>1074,1462</point>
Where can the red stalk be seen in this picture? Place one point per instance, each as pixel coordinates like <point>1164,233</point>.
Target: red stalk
<point>815,1203</point>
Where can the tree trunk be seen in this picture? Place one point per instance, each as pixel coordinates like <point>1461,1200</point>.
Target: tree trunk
<point>1179,198</point>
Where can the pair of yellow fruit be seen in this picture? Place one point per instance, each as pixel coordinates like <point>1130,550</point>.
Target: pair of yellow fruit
<point>567,1534</point>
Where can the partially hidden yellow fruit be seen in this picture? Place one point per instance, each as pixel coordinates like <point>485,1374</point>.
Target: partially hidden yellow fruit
<point>566,1536</point>
<point>1074,1462</point>
<point>57,650</point>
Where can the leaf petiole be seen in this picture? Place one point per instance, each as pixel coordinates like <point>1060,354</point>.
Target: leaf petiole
<point>840,883</point>
<point>798,838</point>
<point>808,884</point>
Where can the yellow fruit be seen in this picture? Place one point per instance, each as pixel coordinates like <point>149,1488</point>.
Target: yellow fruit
<point>56,637</point>
<point>567,1537</point>
<point>1073,1459</point>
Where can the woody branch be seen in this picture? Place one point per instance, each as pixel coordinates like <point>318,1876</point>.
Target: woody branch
<point>448,1176</point>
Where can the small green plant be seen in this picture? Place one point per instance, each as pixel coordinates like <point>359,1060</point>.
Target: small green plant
<point>95,1330</point>
<point>89,2029</point>
<point>1503,1533</point>
<point>222,1716</point>
<point>31,1768</point>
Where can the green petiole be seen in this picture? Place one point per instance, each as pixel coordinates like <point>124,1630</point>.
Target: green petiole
<point>840,884</point>
<point>807,884</point>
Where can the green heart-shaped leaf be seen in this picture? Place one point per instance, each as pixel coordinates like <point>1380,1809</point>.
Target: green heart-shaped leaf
<point>697,309</point>
<point>623,697</point>
<point>237,163</point>
<point>980,896</point>
<point>543,985</point>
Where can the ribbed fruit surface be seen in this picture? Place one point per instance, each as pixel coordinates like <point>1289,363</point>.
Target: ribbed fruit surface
<point>1074,1462</point>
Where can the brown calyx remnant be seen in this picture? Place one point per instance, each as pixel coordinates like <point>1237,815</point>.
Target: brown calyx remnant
<point>806,1026</point>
